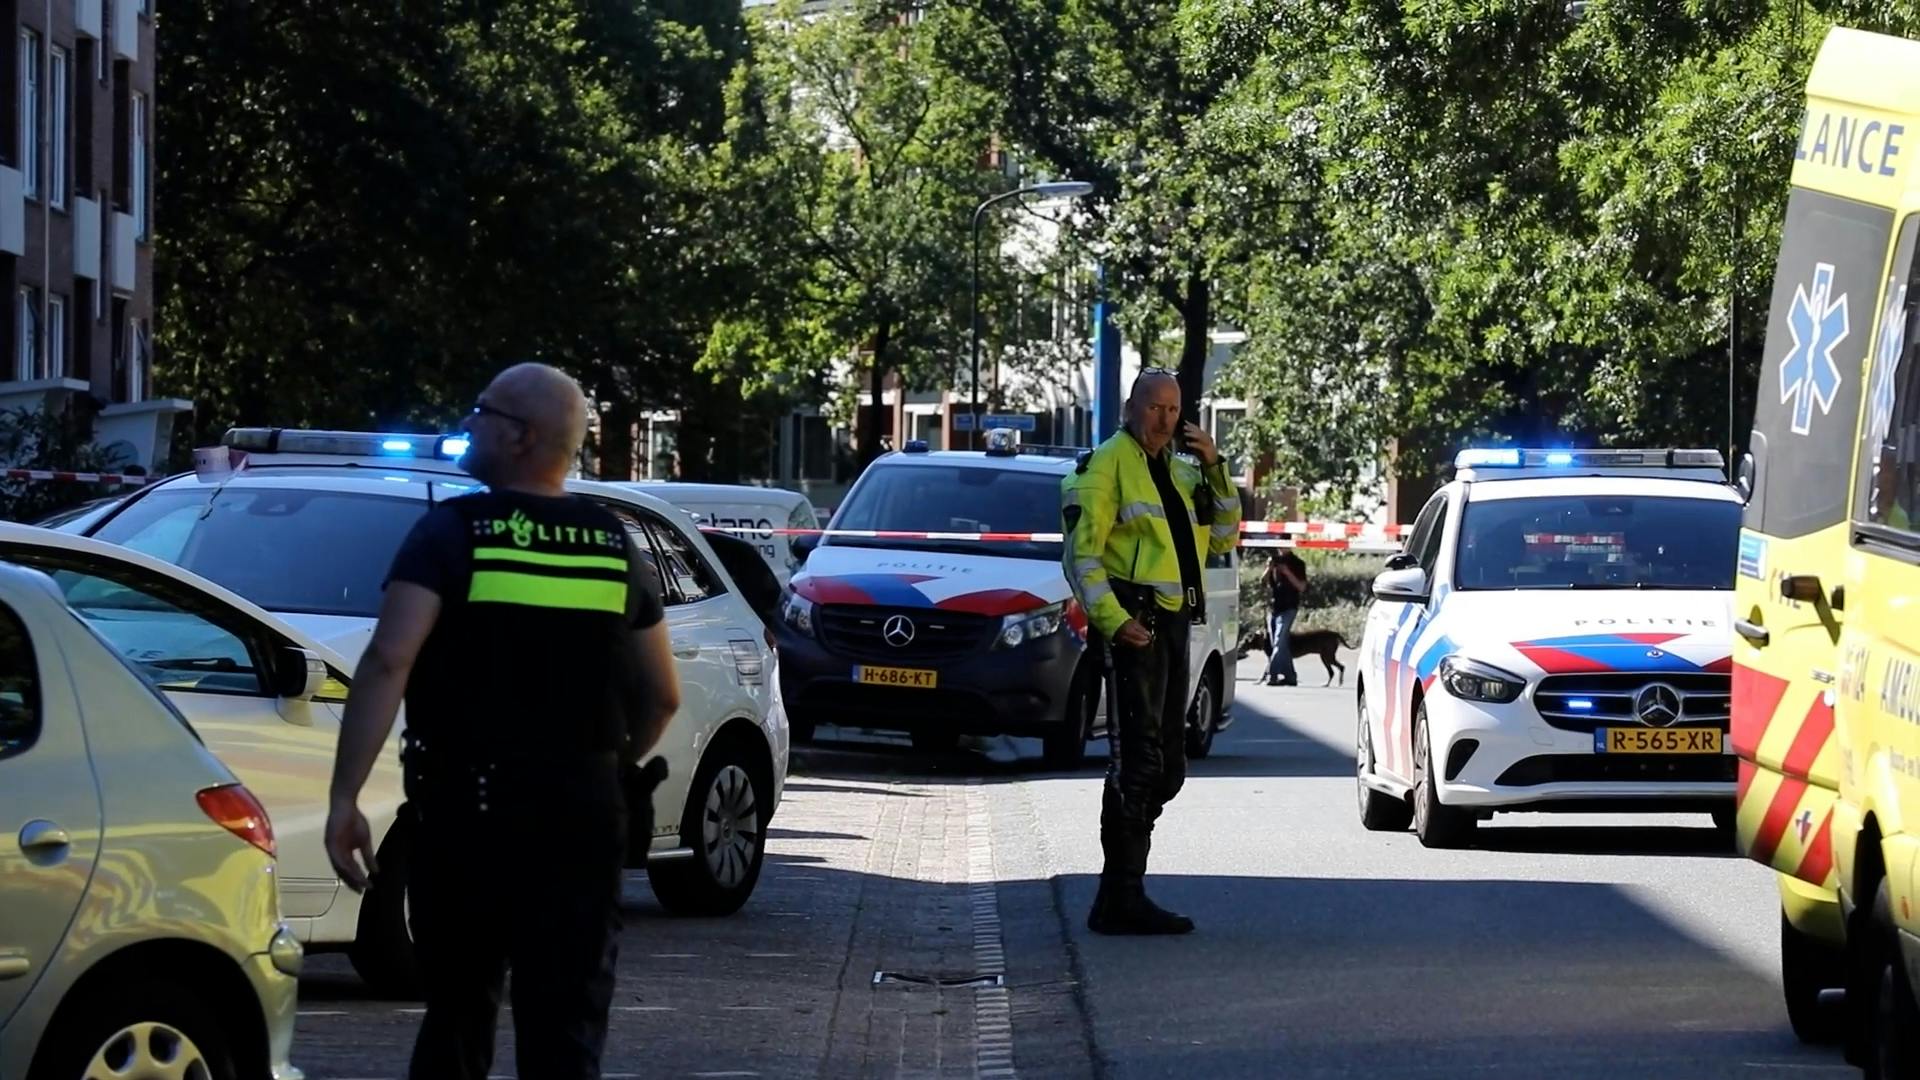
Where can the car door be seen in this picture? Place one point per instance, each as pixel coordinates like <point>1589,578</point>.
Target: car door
<point>704,644</point>
<point>49,807</point>
<point>1391,629</point>
<point>220,667</point>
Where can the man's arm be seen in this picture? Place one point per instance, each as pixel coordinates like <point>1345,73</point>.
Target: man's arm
<point>1224,535</point>
<point>407,615</point>
<point>1089,513</point>
<point>659,697</point>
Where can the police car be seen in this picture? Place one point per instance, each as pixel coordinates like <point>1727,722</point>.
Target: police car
<point>304,524</point>
<point>937,606</point>
<point>1556,636</point>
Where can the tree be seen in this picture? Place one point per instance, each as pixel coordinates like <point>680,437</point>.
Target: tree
<point>872,166</point>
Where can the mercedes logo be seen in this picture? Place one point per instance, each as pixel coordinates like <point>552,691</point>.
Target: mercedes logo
<point>898,631</point>
<point>1657,705</point>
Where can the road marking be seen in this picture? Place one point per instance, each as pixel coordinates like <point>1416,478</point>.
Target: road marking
<point>992,1012</point>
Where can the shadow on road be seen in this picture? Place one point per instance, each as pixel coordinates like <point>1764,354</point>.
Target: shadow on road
<point>1704,841</point>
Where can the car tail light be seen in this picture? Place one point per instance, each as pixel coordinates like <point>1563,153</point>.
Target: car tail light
<point>233,808</point>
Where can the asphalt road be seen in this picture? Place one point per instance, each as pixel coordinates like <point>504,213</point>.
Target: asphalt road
<point>1558,946</point>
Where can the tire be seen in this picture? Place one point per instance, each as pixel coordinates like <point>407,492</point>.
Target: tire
<point>1203,716</point>
<point>725,823</point>
<point>1065,746</point>
<point>936,741</point>
<point>382,950</point>
<point>1890,1016</point>
<point>143,1028</point>
<point>801,731</point>
<point>1379,811</point>
<point>1437,825</point>
<point>1808,966</point>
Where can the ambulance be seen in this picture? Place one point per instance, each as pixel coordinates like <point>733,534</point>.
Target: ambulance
<point>1826,677</point>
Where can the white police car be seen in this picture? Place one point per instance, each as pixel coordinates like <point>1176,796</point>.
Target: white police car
<point>307,527</point>
<point>938,607</point>
<point>1556,636</point>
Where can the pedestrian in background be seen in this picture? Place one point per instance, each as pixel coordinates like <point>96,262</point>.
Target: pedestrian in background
<point>527,637</point>
<point>1286,580</point>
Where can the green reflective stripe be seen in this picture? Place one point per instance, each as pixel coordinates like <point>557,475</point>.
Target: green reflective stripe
<point>539,590</point>
<point>1132,511</point>
<point>541,558</point>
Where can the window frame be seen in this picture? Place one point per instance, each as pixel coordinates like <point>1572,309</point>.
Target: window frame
<point>1868,533</point>
<point>639,523</point>
<point>36,707</point>
<point>138,164</point>
<point>60,162</point>
<point>56,336</point>
<point>26,337</point>
<point>31,123</point>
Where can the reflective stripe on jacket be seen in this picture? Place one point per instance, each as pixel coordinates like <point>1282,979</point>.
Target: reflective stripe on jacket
<point>1116,527</point>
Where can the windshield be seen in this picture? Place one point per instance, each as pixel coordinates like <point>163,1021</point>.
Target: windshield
<point>954,499</point>
<point>317,552</point>
<point>1598,542</point>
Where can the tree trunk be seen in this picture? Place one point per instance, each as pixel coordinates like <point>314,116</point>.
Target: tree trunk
<point>616,433</point>
<point>870,417</point>
<point>1196,314</point>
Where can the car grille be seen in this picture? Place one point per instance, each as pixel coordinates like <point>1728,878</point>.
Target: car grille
<point>1704,698</point>
<point>1622,768</point>
<point>859,633</point>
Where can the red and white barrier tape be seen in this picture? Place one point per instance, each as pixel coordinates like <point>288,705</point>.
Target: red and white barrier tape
<point>110,479</point>
<point>1320,535</point>
<point>1348,529</point>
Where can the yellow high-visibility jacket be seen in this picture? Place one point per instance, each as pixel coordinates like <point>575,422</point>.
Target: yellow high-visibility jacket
<point>1116,527</point>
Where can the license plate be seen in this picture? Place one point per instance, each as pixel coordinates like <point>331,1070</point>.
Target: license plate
<point>917,678</point>
<point>1616,740</point>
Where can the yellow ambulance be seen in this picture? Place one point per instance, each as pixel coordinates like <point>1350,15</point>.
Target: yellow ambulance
<point>1826,683</point>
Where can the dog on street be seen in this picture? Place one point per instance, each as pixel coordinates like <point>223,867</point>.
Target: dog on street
<point>1321,643</point>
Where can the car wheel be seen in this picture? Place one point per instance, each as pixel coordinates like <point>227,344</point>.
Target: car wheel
<point>1379,811</point>
<point>725,824</point>
<point>1808,966</point>
<point>382,950</point>
<point>155,1028</point>
<point>1065,745</point>
<point>1203,717</point>
<point>1889,1015</point>
<point>1437,825</point>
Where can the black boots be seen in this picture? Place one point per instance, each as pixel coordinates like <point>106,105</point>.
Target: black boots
<point>1121,906</point>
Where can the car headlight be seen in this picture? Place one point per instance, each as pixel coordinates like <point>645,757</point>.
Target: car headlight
<point>799,614</point>
<point>1030,625</point>
<point>1475,681</point>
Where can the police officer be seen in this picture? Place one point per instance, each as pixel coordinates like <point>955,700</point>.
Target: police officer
<point>527,636</point>
<point>1133,556</point>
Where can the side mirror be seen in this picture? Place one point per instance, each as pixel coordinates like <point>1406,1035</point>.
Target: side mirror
<point>1402,560</point>
<point>803,545</point>
<point>1402,586</point>
<point>1743,477</point>
<point>297,673</point>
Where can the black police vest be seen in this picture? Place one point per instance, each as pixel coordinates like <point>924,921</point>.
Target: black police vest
<point>531,657</point>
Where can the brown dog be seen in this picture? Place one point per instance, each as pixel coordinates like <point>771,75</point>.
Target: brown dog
<point>1321,643</point>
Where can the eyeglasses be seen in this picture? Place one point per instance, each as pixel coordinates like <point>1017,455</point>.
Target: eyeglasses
<point>1145,371</point>
<point>481,408</point>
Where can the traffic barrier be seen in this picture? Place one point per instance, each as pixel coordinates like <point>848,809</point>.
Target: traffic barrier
<point>110,479</point>
<point>1312,535</point>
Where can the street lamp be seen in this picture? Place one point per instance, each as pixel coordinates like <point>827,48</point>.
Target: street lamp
<point>1054,189</point>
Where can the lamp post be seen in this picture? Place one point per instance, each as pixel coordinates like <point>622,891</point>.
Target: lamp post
<point>1061,189</point>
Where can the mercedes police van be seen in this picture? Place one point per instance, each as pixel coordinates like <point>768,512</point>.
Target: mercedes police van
<point>1554,637</point>
<point>937,606</point>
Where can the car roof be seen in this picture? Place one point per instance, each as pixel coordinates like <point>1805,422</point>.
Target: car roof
<point>676,490</point>
<point>980,459</point>
<point>1548,487</point>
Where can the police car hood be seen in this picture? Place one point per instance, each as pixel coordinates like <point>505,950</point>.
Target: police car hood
<point>345,634</point>
<point>1555,632</point>
<point>981,584</point>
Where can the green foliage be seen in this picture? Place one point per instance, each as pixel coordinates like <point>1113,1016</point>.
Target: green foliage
<point>46,439</point>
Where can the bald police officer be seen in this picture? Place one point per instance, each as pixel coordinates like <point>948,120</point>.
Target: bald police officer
<point>527,637</point>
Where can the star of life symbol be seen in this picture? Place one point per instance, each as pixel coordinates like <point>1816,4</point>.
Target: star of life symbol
<point>1886,363</point>
<point>1809,375</point>
<point>1803,824</point>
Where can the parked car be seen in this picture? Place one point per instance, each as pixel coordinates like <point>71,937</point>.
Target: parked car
<point>140,930</point>
<point>754,514</point>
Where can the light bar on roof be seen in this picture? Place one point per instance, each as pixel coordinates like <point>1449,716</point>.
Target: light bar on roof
<point>1519,458</point>
<point>345,443</point>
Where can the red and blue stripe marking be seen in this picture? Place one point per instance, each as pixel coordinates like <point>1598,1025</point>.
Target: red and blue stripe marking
<point>1586,653</point>
<point>898,590</point>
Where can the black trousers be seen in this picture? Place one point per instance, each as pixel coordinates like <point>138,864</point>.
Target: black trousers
<point>531,885</point>
<point>1146,733</point>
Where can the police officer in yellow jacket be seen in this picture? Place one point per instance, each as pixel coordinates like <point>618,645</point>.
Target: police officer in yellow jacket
<point>1133,554</point>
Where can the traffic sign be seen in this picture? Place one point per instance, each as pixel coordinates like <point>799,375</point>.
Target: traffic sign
<point>1016,421</point>
<point>963,421</point>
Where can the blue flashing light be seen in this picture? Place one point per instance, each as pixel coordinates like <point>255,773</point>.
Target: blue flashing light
<point>454,446</point>
<point>1486,456</point>
<point>396,446</point>
<point>915,446</point>
<point>1580,704</point>
<point>1559,457</point>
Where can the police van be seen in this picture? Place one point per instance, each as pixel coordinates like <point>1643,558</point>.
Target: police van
<point>1826,703</point>
<point>937,606</point>
<point>766,517</point>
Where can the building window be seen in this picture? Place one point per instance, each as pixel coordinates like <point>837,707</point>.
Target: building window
<point>137,166</point>
<point>137,360</point>
<point>56,337</point>
<point>30,123</point>
<point>60,85</point>
<point>26,363</point>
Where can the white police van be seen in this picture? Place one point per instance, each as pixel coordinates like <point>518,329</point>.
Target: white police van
<point>306,528</point>
<point>937,606</point>
<point>1556,636</point>
<point>766,517</point>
